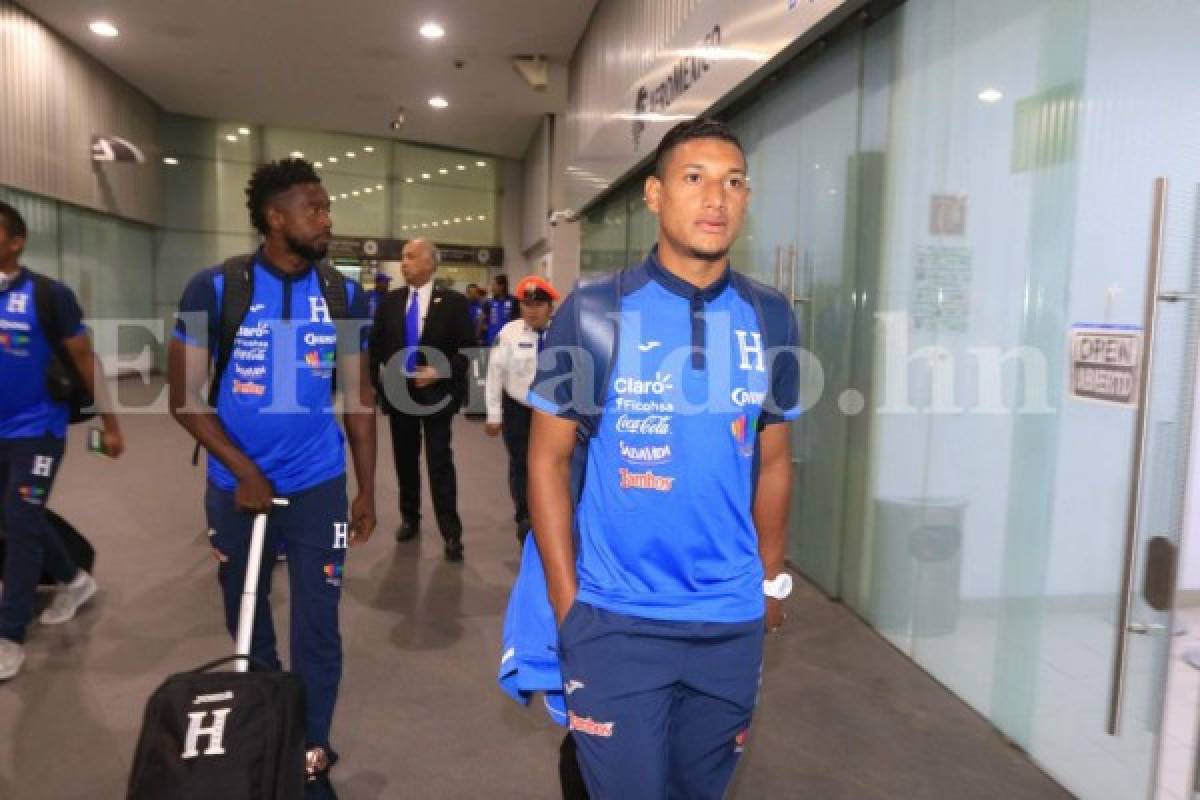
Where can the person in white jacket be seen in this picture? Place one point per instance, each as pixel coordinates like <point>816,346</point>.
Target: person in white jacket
<point>511,367</point>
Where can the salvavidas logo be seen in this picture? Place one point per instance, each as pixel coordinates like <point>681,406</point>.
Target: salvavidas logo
<point>649,455</point>
<point>252,373</point>
<point>685,73</point>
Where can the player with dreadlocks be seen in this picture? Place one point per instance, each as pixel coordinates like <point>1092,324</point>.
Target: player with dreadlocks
<point>269,428</point>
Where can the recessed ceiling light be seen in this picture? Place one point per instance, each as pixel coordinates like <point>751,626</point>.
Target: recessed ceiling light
<point>229,137</point>
<point>170,161</point>
<point>355,193</point>
<point>410,180</point>
<point>438,101</point>
<point>458,219</point>
<point>424,225</point>
<point>104,28</point>
<point>368,149</point>
<point>445,222</point>
<point>425,175</point>
<point>434,224</point>
<point>482,217</point>
<point>470,219</point>
<point>344,195</point>
<point>443,171</point>
<point>432,30</point>
<point>368,190</point>
<point>460,168</point>
<point>379,186</point>
<point>481,163</point>
<point>991,95</point>
<point>244,131</point>
<point>332,159</point>
<point>351,154</point>
<point>319,164</point>
<point>297,154</point>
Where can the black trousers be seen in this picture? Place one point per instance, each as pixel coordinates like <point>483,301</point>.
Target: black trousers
<point>517,420</point>
<point>407,432</point>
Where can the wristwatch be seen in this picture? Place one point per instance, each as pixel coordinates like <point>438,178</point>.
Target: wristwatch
<point>778,587</point>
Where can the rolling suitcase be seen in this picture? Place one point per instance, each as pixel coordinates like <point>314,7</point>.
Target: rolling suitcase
<point>232,735</point>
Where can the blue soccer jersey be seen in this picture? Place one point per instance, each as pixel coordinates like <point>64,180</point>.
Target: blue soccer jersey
<point>498,314</point>
<point>26,410</point>
<point>276,394</point>
<point>664,520</point>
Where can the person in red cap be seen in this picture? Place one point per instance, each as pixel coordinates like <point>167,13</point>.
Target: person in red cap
<point>511,367</point>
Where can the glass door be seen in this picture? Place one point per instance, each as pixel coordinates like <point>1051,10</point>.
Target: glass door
<point>802,140</point>
<point>1030,319</point>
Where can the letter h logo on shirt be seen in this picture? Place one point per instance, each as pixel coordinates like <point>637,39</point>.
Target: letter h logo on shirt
<point>318,310</point>
<point>17,303</point>
<point>748,350</point>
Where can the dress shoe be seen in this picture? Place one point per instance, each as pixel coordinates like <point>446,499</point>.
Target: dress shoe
<point>454,551</point>
<point>407,532</point>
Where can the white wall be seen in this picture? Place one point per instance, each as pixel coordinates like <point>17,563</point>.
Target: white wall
<point>53,98</point>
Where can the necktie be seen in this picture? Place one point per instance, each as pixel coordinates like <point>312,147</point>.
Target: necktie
<point>412,335</point>
<point>541,340</point>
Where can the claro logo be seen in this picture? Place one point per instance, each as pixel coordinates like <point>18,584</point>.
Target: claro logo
<point>657,98</point>
<point>744,397</point>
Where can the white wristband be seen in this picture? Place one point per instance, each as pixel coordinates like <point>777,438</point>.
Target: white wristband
<point>779,587</point>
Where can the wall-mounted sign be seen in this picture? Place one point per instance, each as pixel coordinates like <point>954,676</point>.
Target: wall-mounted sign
<point>948,215</point>
<point>361,248</point>
<point>114,148</point>
<point>941,289</point>
<point>1106,363</point>
<point>626,103</point>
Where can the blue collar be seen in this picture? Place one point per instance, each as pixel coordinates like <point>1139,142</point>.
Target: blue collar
<point>260,258</point>
<point>678,286</point>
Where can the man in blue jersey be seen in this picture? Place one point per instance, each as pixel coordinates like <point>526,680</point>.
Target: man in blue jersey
<point>273,433</point>
<point>669,563</point>
<point>33,427</point>
<point>499,310</point>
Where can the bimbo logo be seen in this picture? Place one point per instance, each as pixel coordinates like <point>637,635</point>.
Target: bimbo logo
<point>645,480</point>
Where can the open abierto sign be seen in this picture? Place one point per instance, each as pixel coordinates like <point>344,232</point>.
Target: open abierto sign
<point>1106,363</point>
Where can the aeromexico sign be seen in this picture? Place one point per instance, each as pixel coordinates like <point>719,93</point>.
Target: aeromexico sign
<point>685,74</point>
<point>622,106</point>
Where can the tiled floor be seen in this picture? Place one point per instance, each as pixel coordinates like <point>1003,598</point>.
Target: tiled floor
<point>1183,702</point>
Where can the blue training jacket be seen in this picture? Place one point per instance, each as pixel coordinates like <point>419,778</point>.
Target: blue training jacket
<point>530,660</point>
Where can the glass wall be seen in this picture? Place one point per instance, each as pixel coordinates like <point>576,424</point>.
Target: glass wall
<point>950,197</point>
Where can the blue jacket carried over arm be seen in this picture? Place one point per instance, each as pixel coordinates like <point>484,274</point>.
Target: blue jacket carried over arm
<point>530,660</point>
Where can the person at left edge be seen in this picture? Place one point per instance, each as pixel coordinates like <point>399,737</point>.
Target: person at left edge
<point>259,448</point>
<point>33,431</point>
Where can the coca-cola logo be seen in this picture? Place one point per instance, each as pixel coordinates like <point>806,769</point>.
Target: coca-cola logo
<point>652,425</point>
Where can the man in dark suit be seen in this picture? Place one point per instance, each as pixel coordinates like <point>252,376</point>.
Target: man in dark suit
<point>416,355</point>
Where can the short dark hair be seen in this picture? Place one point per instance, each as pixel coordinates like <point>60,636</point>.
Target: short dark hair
<point>686,131</point>
<point>272,179</point>
<point>13,222</point>
<point>501,279</point>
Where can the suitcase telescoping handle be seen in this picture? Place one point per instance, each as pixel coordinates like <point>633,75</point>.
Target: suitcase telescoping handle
<point>245,629</point>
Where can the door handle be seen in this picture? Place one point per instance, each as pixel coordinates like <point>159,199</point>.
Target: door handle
<point>1133,517</point>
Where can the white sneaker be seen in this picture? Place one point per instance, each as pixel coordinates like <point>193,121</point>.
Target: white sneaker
<point>68,599</point>
<point>12,655</point>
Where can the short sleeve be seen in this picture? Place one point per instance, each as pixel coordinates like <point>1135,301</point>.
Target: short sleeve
<point>196,323</point>
<point>359,311</point>
<point>783,400</point>
<point>68,315</point>
<point>561,372</point>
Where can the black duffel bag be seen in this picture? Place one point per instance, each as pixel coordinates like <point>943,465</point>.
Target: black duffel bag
<point>227,735</point>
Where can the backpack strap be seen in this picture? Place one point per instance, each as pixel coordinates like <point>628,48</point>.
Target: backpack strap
<point>47,314</point>
<point>597,304</point>
<point>238,273</point>
<point>333,287</point>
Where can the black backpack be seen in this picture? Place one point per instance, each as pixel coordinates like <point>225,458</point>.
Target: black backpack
<point>64,384</point>
<point>227,735</point>
<point>238,272</point>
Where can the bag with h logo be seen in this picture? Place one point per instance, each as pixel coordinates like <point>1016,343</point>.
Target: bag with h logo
<point>228,735</point>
